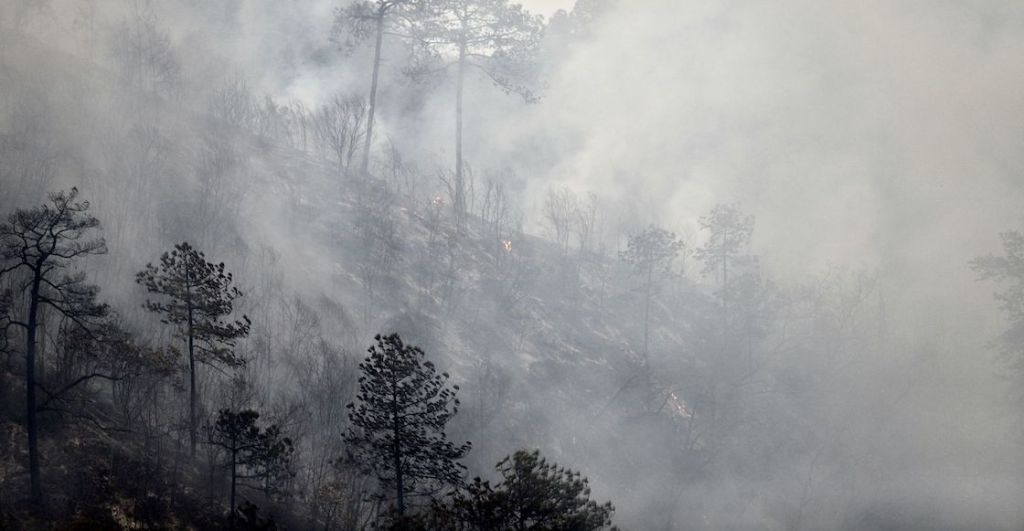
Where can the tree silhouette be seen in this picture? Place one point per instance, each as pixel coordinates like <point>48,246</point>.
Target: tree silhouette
<point>1007,269</point>
<point>360,21</point>
<point>253,453</point>
<point>37,247</point>
<point>649,253</point>
<point>195,296</point>
<point>533,494</point>
<point>494,37</point>
<point>398,422</point>
<point>729,232</point>
<point>724,255</point>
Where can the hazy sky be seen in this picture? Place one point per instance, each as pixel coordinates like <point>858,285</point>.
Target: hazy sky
<point>547,7</point>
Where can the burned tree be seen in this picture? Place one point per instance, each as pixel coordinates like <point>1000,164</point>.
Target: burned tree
<point>38,247</point>
<point>560,211</point>
<point>195,296</point>
<point>360,21</point>
<point>340,128</point>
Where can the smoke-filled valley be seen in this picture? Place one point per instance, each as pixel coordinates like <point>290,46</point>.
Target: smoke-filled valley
<point>470,264</point>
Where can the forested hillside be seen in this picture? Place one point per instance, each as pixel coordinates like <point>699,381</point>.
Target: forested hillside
<point>470,264</point>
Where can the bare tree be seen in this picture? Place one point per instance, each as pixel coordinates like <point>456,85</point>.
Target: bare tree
<point>401,173</point>
<point>232,105</point>
<point>29,158</point>
<point>499,212</point>
<point>144,53</point>
<point>586,224</point>
<point>135,370</point>
<point>299,124</point>
<point>560,212</point>
<point>271,120</point>
<point>341,127</point>
<point>221,172</point>
<point>380,239</point>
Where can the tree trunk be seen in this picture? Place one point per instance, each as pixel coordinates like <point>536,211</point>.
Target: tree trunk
<point>234,476</point>
<point>192,385</point>
<point>36,488</point>
<point>396,454</point>
<point>460,199</point>
<point>373,94</point>
<point>399,479</point>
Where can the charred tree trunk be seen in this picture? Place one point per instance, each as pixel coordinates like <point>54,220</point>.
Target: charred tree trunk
<point>234,481</point>
<point>32,426</point>
<point>397,457</point>
<point>191,388</point>
<point>373,94</point>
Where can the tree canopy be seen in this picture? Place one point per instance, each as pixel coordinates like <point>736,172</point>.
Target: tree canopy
<point>532,494</point>
<point>399,419</point>
<point>195,296</point>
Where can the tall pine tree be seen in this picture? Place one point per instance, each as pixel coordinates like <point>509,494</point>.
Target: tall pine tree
<point>39,248</point>
<point>398,422</point>
<point>650,254</point>
<point>496,38</point>
<point>361,20</point>
<point>195,297</point>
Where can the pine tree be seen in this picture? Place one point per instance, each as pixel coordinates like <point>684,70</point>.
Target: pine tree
<point>540,495</point>
<point>742,290</point>
<point>398,422</point>
<point>729,232</point>
<point>651,253</point>
<point>196,296</point>
<point>361,20</point>
<point>533,494</point>
<point>37,248</point>
<point>253,453</point>
<point>497,38</point>
<point>1007,270</point>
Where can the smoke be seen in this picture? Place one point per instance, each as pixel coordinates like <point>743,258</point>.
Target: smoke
<point>828,122</point>
<point>873,137</point>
